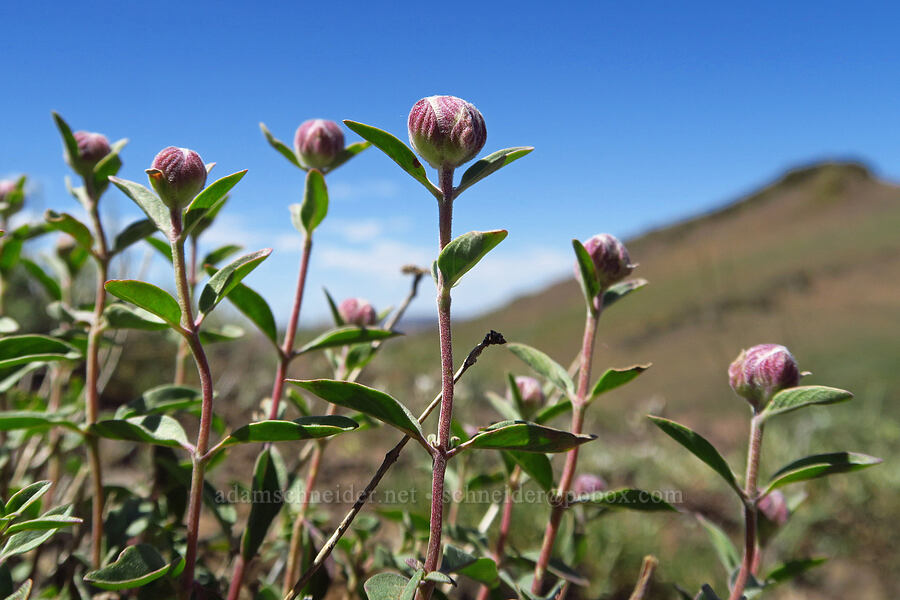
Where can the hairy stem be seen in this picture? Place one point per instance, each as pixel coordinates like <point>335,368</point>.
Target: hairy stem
<point>750,512</point>
<point>505,522</point>
<point>565,482</point>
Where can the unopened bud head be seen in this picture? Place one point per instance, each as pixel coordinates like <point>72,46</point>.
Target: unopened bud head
<point>318,143</point>
<point>446,131</point>
<point>356,311</point>
<point>530,391</point>
<point>610,257</point>
<point>177,175</point>
<point>7,187</point>
<point>760,372</point>
<point>774,506</point>
<point>588,484</point>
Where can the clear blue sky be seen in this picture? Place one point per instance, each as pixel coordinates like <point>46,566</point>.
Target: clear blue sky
<point>640,113</point>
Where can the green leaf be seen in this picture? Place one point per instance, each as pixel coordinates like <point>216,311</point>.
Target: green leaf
<point>725,550</point>
<point>396,151</point>
<point>42,523</point>
<point>161,246</point>
<point>135,566</point>
<point>464,252</point>
<point>26,541</point>
<point>221,253</point>
<point>28,495</point>
<point>226,333</point>
<point>69,143</point>
<point>22,593</point>
<point>614,378</point>
<point>799,397</point>
<point>68,224</point>
<point>409,590</point>
<point>504,407</point>
<point>385,586</point>
<point>589,282</point>
<point>253,306</point>
<point>108,166</point>
<point>304,428</point>
<point>548,413</point>
<point>526,437</point>
<point>620,290</point>
<point>29,348</point>
<point>123,316</point>
<point>489,165</point>
<point>228,277</point>
<point>346,154</point>
<point>457,560</point>
<point>308,215</point>
<point>280,146</point>
<point>207,199</point>
<point>700,447</point>
<point>631,499</point>
<point>162,399</point>
<point>50,285</point>
<point>269,482</point>
<point>333,307</point>
<point>792,569</point>
<point>147,296</point>
<point>707,593</point>
<point>133,233</point>
<point>23,419</point>
<point>346,336</point>
<point>148,202</point>
<point>820,465</point>
<point>151,429</point>
<point>544,366</point>
<point>366,400</point>
<point>537,466</point>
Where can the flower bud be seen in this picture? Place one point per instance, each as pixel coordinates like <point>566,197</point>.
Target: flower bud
<point>65,245</point>
<point>588,484</point>
<point>318,143</point>
<point>92,147</point>
<point>177,175</point>
<point>610,257</point>
<point>530,391</point>
<point>356,311</point>
<point>7,187</point>
<point>446,131</point>
<point>774,507</point>
<point>759,373</point>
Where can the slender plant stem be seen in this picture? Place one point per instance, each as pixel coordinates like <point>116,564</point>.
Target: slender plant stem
<point>750,510</point>
<point>191,333</point>
<point>490,339</point>
<point>512,485</point>
<point>565,482</point>
<point>643,582</point>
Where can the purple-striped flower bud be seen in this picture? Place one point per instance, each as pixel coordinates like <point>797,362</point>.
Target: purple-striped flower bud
<point>446,131</point>
<point>610,257</point>
<point>760,372</point>
<point>774,507</point>
<point>177,175</point>
<point>92,147</point>
<point>588,484</point>
<point>318,143</point>
<point>356,311</point>
<point>530,391</point>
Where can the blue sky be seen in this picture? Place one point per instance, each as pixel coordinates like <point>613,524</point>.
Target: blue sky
<point>641,113</point>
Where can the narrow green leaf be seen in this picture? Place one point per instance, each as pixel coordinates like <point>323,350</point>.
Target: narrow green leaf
<point>537,466</point>
<point>22,593</point>
<point>69,143</point>
<point>123,316</point>
<point>228,277</point>
<point>346,154</point>
<point>544,366</point>
<point>253,306</point>
<point>213,193</point>
<point>820,465</point>
<point>792,569</point>
<point>304,428</point>
<point>26,541</point>
<point>135,566</point>
<point>699,447</point>
<point>346,336</point>
<point>68,224</point>
<point>725,550</point>
<point>42,523</point>
<point>147,296</point>
<point>504,407</point>
<point>464,252</point>
<point>385,586</point>
<point>614,378</point>
<point>490,164</point>
<point>50,285</point>
<point>799,397</point>
<point>161,246</point>
<point>631,499</point>
<point>548,413</point>
<point>133,233</point>
<point>21,349</point>
<point>526,437</point>
<point>457,560</point>
<point>366,400</point>
<point>269,482</point>
<point>588,280</point>
<point>308,215</point>
<point>396,151</point>
<point>148,202</point>
<point>333,307</point>
<point>280,146</point>
<point>108,166</point>
<point>163,399</point>
<point>221,253</point>
<point>150,429</point>
<point>620,290</point>
<point>409,590</point>
<point>226,333</point>
<point>28,495</point>
<point>707,593</point>
<point>24,419</point>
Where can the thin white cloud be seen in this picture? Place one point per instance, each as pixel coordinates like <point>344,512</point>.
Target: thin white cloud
<point>372,189</point>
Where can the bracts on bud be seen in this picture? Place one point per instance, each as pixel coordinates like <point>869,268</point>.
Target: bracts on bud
<point>318,143</point>
<point>92,148</point>
<point>760,372</point>
<point>356,311</point>
<point>446,131</point>
<point>177,175</point>
<point>531,393</point>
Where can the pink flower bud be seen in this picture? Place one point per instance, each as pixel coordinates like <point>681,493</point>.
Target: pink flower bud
<point>530,390</point>
<point>177,175</point>
<point>7,187</point>
<point>611,260</point>
<point>774,506</point>
<point>446,131</point>
<point>758,373</point>
<point>356,311</point>
<point>588,484</point>
<point>92,147</point>
<point>318,143</point>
